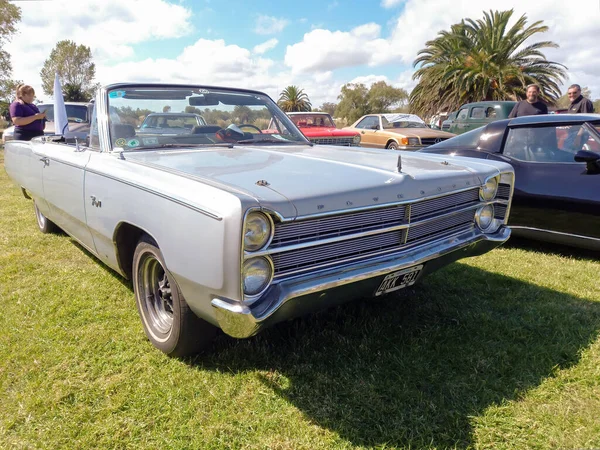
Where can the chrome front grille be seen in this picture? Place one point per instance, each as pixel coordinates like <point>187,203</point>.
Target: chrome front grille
<point>433,229</point>
<point>431,141</point>
<point>503,191</point>
<point>332,253</point>
<point>345,141</point>
<point>500,211</point>
<point>438,205</point>
<point>292,233</point>
<point>295,246</point>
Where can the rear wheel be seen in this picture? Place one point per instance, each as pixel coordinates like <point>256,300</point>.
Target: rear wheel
<point>166,317</point>
<point>44,224</point>
<point>392,146</point>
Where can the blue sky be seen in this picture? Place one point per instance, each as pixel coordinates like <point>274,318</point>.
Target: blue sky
<point>268,45</point>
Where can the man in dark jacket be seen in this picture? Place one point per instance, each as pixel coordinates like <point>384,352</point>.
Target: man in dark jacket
<point>530,107</point>
<point>579,104</point>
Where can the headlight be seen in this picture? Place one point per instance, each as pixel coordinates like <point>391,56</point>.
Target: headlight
<point>257,231</point>
<point>257,274</point>
<point>414,141</point>
<point>484,217</point>
<point>356,139</point>
<point>488,191</point>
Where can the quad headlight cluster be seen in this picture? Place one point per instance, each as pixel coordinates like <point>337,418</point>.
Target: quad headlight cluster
<point>257,271</point>
<point>410,141</point>
<point>484,216</point>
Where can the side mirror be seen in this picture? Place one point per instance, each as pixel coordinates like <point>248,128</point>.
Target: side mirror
<point>591,159</point>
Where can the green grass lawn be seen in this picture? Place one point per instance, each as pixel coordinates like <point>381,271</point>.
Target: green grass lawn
<point>499,351</point>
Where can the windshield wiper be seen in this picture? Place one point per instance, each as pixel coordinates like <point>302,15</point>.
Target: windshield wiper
<point>269,140</point>
<point>182,145</point>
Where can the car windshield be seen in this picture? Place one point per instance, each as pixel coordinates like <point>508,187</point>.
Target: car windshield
<point>312,120</point>
<point>171,116</point>
<point>172,120</point>
<point>75,113</point>
<point>390,121</point>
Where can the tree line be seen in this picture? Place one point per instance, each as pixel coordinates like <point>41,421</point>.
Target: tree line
<point>474,60</point>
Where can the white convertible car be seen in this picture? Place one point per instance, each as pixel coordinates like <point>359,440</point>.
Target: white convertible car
<point>240,224</point>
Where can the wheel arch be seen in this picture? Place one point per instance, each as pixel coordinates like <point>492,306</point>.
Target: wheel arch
<point>125,240</point>
<point>390,140</point>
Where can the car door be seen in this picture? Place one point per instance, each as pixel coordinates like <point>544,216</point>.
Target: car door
<point>552,191</point>
<point>477,118</point>
<point>369,133</point>
<point>460,123</point>
<point>63,178</point>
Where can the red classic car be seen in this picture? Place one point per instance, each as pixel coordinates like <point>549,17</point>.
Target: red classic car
<point>320,128</point>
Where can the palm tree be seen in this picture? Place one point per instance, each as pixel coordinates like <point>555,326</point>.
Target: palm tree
<point>484,60</point>
<point>293,99</point>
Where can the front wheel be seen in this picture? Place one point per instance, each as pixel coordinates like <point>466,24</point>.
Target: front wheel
<point>392,146</point>
<point>44,224</point>
<point>166,317</point>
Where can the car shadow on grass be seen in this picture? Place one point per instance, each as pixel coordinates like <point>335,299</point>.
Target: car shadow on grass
<point>412,369</point>
<point>548,247</point>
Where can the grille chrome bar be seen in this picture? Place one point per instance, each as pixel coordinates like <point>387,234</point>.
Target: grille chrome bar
<point>345,141</point>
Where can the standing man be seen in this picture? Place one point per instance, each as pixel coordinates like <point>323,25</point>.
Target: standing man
<point>579,104</point>
<point>530,107</point>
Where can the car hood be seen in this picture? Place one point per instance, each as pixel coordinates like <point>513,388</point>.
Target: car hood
<point>315,132</point>
<point>419,132</point>
<point>303,180</point>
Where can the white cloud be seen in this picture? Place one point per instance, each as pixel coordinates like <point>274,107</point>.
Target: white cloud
<point>265,46</point>
<point>270,25</point>
<point>574,29</point>
<point>108,27</point>
<point>326,50</point>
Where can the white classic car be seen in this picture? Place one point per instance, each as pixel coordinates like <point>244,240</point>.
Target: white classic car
<point>236,228</point>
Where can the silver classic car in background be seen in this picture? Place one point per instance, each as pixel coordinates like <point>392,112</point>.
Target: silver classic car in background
<point>239,228</point>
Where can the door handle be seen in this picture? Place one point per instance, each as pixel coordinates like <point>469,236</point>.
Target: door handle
<point>46,161</point>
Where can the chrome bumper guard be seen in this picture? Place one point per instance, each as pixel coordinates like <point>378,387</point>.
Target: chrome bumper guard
<point>318,290</point>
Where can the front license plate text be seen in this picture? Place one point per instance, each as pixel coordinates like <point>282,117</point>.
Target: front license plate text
<point>398,280</point>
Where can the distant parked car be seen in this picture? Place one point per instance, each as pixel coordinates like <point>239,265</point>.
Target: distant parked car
<point>320,128</point>
<point>396,132</point>
<point>477,114</point>
<point>446,124</point>
<point>78,114</point>
<point>170,123</point>
<point>557,169</point>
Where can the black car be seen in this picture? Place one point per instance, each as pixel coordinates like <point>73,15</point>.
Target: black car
<point>557,173</point>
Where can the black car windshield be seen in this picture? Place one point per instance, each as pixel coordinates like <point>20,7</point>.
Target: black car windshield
<point>168,116</point>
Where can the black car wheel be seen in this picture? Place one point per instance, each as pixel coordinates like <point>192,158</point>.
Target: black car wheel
<point>166,317</point>
<point>392,146</point>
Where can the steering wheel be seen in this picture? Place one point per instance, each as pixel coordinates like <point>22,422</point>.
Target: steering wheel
<point>251,126</point>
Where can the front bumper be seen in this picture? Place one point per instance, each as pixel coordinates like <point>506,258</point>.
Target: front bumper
<point>308,293</point>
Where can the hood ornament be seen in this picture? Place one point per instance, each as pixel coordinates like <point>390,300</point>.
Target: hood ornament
<point>262,183</point>
<point>399,164</point>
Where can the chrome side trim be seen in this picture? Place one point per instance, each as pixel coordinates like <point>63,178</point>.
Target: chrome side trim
<point>159,194</point>
<point>558,233</point>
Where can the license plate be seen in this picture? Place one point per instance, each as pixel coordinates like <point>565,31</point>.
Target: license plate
<point>398,280</point>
